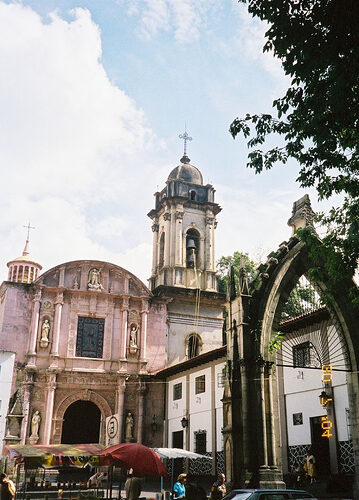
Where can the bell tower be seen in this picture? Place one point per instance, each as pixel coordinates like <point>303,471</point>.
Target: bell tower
<point>184,222</point>
<point>183,264</point>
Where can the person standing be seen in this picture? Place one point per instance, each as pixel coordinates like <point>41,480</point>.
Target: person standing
<point>309,466</point>
<point>179,490</point>
<point>8,489</point>
<point>133,486</point>
<point>218,489</point>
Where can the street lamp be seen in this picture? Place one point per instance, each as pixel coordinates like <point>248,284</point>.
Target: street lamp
<point>184,422</point>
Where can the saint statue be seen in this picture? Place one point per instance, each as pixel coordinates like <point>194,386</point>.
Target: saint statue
<point>129,427</point>
<point>45,330</point>
<point>94,280</point>
<point>133,339</point>
<point>35,424</point>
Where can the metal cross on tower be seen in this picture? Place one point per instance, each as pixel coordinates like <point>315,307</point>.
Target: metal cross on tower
<point>185,138</point>
<point>28,230</point>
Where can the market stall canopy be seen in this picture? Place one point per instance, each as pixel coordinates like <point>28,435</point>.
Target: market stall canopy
<point>55,455</point>
<point>179,453</point>
<point>140,458</point>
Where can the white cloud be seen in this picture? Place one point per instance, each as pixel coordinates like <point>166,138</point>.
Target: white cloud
<point>73,148</point>
<point>185,18</point>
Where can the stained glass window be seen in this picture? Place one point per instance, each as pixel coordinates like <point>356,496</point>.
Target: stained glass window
<point>90,337</point>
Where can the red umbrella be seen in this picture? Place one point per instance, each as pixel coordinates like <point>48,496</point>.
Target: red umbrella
<point>143,460</point>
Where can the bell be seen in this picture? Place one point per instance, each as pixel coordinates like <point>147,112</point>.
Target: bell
<point>191,244</point>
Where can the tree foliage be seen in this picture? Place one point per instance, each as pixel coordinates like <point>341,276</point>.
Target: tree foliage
<point>236,261</point>
<point>317,120</point>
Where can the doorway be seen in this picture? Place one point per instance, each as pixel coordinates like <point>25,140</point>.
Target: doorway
<point>82,421</point>
<point>320,447</point>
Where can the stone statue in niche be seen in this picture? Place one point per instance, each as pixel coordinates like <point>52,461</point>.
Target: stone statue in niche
<point>129,427</point>
<point>35,424</point>
<point>94,280</point>
<point>45,331</point>
<point>133,339</point>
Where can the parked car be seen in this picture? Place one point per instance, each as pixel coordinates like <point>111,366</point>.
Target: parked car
<point>263,494</point>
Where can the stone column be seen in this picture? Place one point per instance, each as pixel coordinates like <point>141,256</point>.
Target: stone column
<point>34,329</point>
<point>167,256</point>
<point>208,244</point>
<point>51,386</point>
<point>272,459</point>
<point>144,315</point>
<point>27,386</point>
<point>179,243</point>
<point>57,325</point>
<point>124,311</point>
<point>141,397</point>
<point>119,409</point>
<point>155,228</point>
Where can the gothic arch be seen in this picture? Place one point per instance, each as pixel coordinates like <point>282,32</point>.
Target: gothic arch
<point>274,283</point>
<point>84,395</point>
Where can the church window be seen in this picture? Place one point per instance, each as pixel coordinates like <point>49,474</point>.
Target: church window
<point>192,195</point>
<point>177,391</point>
<point>193,346</point>
<point>31,274</point>
<point>192,249</point>
<point>301,355</point>
<point>89,342</point>
<point>162,250</point>
<point>200,442</point>
<point>200,384</point>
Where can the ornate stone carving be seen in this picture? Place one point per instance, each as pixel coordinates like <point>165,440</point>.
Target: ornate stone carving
<point>129,427</point>
<point>179,215</point>
<point>94,280</point>
<point>35,424</point>
<point>166,216</point>
<point>155,227</point>
<point>45,331</point>
<point>133,339</point>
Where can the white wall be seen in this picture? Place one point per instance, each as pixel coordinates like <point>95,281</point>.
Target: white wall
<point>7,360</point>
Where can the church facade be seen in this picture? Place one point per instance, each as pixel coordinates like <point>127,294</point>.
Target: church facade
<point>88,336</point>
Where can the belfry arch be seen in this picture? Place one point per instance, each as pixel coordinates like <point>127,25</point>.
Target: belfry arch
<point>251,386</point>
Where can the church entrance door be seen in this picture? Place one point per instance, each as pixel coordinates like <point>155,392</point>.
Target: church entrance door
<point>81,424</point>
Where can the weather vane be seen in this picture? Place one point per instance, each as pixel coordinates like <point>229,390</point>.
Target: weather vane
<point>28,229</point>
<point>185,138</point>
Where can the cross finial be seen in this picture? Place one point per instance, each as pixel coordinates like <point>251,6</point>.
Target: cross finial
<point>28,230</point>
<point>185,138</point>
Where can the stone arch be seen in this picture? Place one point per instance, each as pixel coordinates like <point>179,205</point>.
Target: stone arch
<point>196,341</point>
<point>276,280</point>
<point>84,395</point>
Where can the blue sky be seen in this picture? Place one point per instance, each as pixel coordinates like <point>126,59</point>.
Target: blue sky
<point>94,95</point>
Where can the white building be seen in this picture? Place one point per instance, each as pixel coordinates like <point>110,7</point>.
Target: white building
<point>194,414</point>
<point>308,421</point>
<point>7,360</point>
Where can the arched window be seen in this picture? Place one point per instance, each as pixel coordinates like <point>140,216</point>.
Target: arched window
<point>192,195</point>
<point>162,250</point>
<point>193,346</point>
<point>192,249</point>
<point>19,276</point>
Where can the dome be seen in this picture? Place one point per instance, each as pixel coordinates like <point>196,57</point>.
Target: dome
<point>186,172</point>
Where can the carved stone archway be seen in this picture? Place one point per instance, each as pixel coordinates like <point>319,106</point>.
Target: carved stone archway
<point>251,383</point>
<point>83,395</point>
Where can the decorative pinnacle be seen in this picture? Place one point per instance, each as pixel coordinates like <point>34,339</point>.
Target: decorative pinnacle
<point>26,249</point>
<point>185,138</point>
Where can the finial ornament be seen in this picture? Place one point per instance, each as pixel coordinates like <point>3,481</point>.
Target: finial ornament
<point>26,249</point>
<point>185,138</point>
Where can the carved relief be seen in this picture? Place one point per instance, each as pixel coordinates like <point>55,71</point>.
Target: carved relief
<point>133,338</point>
<point>94,280</point>
<point>45,332</point>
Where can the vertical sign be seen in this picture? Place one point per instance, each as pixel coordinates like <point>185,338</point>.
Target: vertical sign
<point>326,423</point>
<point>112,430</point>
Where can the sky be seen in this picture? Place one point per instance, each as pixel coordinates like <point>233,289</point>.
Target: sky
<point>93,97</point>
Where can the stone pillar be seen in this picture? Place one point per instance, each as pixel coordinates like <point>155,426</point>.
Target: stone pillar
<point>179,238</point>
<point>34,329</point>
<point>167,256</point>
<point>155,228</point>
<point>144,315</point>
<point>27,386</point>
<point>57,325</point>
<point>120,398</point>
<point>124,311</point>
<point>209,244</point>
<point>141,397</point>
<point>51,386</point>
